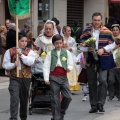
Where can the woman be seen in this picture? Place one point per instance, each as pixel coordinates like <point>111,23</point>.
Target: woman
<point>116,30</point>
<point>70,44</point>
<point>113,88</point>
<point>44,40</point>
<point>3,31</point>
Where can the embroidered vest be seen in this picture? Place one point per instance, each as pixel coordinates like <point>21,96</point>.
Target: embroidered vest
<point>54,59</point>
<point>25,71</point>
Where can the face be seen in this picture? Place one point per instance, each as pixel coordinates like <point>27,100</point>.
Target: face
<point>7,22</point>
<point>68,32</point>
<point>22,42</point>
<point>27,28</point>
<point>58,44</point>
<point>49,29</point>
<point>5,30</point>
<point>115,31</point>
<point>96,21</point>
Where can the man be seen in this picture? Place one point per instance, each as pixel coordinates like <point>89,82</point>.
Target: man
<point>11,36</point>
<point>26,31</point>
<point>7,22</point>
<point>97,69</point>
<point>76,31</point>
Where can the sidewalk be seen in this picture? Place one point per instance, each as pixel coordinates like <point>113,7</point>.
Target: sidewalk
<point>4,79</point>
<point>114,115</point>
<point>4,82</point>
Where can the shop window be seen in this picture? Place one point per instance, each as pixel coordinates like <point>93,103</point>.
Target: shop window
<point>114,11</point>
<point>75,12</point>
<point>44,9</point>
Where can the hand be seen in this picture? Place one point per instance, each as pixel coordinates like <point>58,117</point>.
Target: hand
<point>82,44</point>
<point>47,82</point>
<point>100,51</point>
<point>18,51</point>
<point>67,70</point>
<point>90,49</point>
<point>16,63</point>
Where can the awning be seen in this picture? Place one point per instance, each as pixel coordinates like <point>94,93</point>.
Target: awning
<point>114,1</point>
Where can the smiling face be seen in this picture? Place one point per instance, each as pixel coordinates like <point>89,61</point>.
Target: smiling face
<point>96,21</point>
<point>115,31</point>
<point>22,42</point>
<point>49,30</point>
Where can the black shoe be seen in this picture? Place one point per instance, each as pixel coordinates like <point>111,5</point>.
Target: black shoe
<point>93,110</point>
<point>100,108</point>
<point>62,118</point>
<point>110,98</point>
<point>52,119</point>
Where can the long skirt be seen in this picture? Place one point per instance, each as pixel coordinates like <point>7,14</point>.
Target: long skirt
<point>73,80</point>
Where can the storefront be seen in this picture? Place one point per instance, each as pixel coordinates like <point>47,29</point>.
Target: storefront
<point>45,9</point>
<point>114,10</point>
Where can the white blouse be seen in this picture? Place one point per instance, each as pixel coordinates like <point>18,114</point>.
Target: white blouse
<point>44,44</point>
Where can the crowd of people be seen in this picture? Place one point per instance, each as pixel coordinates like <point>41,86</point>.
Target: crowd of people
<point>72,57</point>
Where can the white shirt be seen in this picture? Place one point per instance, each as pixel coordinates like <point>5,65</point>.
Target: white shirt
<point>47,63</point>
<point>96,35</point>
<point>110,47</point>
<point>27,60</point>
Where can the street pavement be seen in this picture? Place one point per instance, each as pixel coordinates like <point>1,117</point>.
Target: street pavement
<point>78,110</point>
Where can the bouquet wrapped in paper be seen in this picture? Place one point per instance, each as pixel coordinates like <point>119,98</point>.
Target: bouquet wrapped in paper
<point>91,42</point>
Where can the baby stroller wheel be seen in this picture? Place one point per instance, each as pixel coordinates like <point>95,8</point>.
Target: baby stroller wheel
<point>30,112</point>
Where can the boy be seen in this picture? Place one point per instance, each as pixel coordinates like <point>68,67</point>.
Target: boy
<point>57,63</point>
<point>19,86</point>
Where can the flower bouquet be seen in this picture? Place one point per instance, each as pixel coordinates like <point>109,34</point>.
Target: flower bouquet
<point>91,43</point>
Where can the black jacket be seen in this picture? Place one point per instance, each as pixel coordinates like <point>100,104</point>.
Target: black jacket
<point>11,39</point>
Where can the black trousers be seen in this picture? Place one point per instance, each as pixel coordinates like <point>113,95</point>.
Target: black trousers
<point>114,82</point>
<point>59,84</point>
<point>19,88</point>
<point>97,82</point>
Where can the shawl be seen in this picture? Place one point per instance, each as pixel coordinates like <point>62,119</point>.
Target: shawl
<point>105,37</point>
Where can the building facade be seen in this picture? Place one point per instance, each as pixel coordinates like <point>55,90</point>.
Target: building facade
<point>65,10</point>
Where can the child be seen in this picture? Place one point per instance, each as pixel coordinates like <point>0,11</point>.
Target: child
<point>114,74</point>
<point>19,86</point>
<point>57,63</point>
<point>82,75</point>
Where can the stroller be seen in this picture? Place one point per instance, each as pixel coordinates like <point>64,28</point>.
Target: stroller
<point>39,95</point>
